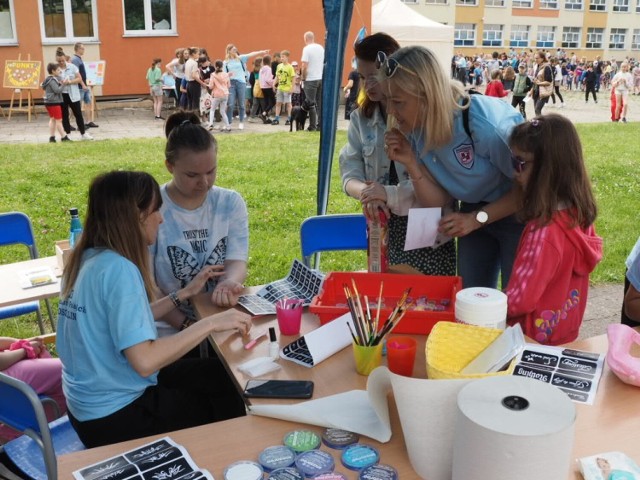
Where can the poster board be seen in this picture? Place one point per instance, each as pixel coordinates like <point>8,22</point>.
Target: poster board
<point>95,72</point>
<point>22,74</point>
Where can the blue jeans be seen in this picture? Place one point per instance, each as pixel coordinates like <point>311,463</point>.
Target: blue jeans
<point>236,91</point>
<point>488,251</point>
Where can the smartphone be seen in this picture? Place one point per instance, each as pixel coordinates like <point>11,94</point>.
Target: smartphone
<point>279,389</point>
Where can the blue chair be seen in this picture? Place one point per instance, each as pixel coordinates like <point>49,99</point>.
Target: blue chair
<point>35,452</point>
<point>15,228</point>
<point>332,232</point>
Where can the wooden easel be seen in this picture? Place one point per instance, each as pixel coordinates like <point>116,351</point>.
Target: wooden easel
<point>30,106</point>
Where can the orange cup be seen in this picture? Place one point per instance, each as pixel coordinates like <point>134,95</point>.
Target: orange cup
<point>401,355</point>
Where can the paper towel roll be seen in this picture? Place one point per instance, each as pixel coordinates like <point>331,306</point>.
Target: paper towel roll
<point>512,427</point>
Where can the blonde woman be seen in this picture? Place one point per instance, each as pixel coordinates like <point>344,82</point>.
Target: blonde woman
<point>622,83</point>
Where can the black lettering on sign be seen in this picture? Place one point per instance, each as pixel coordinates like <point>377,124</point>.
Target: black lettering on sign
<point>565,381</point>
<point>175,469</point>
<point>538,358</point>
<point>113,469</point>
<point>536,374</point>
<point>576,396</point>
<point>148,450</point>
<point>578,366</point>
<point>580,354</point>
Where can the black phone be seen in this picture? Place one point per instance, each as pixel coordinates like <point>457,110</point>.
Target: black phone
<point>278,389</point>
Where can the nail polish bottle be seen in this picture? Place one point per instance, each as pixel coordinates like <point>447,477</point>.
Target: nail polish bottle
<point>274,347</point>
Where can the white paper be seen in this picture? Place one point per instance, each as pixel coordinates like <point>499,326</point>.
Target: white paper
<point>36,277</point>
<point>422,228</point>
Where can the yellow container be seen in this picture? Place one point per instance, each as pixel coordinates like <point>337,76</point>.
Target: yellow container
<point>451,346</point>
<point>367,359</point>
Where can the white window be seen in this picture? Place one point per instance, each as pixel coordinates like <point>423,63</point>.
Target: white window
<point>68,20</point>
<point>638,6</point>
<point>492,35</point>
<point>519,36</point>
<point>464,35</point>
<point>571,37</point>
<point>617,37</point>
<point>410,1</point>
<point>598,5</point>
<point>594,37</point>
<point>468,3</point>
<point>149,17</point>
<point>573,5</point>
<point>549,4</point>
<point>635,39</point>
<point>437,2</point>
<point>620,5</point>
<point>7,23</point>
<point>522,3</point>
<point>494,3</point>
<point>546,37</point>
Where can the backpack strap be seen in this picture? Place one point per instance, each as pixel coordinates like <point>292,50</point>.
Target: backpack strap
<point>465,117</point>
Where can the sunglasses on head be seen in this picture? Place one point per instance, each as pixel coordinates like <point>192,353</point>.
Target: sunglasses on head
<point>390,65</point>
<point>518,164</point>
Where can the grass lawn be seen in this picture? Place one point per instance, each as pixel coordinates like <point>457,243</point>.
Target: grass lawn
<point>276,174</point>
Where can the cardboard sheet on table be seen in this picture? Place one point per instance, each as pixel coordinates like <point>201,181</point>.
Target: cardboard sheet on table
<point>427,411</point>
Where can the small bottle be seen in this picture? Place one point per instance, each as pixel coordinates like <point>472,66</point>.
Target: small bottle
<point>274,346</point>
<point>76,228</point>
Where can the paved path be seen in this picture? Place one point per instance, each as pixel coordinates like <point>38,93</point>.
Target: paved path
<point>135,120</point>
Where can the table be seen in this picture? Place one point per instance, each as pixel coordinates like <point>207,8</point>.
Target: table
<point>611,424</point>
<point>11,293</point>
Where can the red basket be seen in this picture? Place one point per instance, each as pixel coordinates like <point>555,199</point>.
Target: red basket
<point>331,302</point>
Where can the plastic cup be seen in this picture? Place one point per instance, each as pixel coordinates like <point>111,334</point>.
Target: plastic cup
<point>289,316</point>
<point>367,358</point>
<point>401,355</point>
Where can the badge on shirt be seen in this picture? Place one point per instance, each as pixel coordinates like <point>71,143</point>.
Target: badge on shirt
<point>464,155</point>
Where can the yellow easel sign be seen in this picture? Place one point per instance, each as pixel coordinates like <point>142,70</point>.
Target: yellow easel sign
<point>21,74</point>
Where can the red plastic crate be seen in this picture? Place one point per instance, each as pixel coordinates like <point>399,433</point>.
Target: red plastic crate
<point>331,302</point>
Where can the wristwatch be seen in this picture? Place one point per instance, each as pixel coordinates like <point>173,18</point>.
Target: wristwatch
<point>482,217</point>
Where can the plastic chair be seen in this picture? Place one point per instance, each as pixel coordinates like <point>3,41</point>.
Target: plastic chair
<point>332,232</point>
<point>35,452</point>
<point>15,228</point>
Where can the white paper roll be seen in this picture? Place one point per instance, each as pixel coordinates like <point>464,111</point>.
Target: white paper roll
<point>512,428</point>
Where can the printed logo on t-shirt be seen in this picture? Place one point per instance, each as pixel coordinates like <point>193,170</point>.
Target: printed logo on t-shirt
<point>464,155</point>
<point>185,266</point>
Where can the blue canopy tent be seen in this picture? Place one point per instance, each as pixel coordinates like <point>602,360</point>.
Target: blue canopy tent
<point>337,19</point>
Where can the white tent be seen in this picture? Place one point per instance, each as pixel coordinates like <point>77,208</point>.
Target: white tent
<point>409,27</point>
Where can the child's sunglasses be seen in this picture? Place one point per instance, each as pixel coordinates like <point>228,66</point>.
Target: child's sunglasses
<point>390,65</point>
<point>518,164</point>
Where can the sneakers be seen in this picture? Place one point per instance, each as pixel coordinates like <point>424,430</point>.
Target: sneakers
<point>86,136</point>
<point>52,139</point>
<point>311,129</point>
<point>624,120</point>
<point>561,105</point>
<point>275,122</point>
<point>288,122</point>
<point>226,129</point>
<point>241,126</point>
<point>72,129</point>
<point>93,125</point>
<point>66,139</point>
<point>157,118</point>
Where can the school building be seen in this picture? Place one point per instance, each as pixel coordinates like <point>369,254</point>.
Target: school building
<point>128,34</point>
<point>608,28</point>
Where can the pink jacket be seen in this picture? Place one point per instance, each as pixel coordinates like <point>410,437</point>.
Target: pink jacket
<point>219,84</point>
<point>266,77</point>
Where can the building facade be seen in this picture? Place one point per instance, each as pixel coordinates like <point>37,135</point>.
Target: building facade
<point>589,28</point>
<point>129,34</point>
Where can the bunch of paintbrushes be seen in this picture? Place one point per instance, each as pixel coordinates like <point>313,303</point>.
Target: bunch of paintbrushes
<point>367,330</point>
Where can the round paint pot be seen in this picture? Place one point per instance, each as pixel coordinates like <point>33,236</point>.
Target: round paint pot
<point>378,472</point>
<point>331,476</point>
<point>302,440</point>
<point>272,458</point>
<point>288,473</point>
<point>314,462</point>
<point>339,439</point>
<point>243,470</point>
<point>359,456</point>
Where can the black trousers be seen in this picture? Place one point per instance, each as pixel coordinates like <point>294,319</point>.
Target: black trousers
<point>190,392</point>
<point>194,90</point>
<point>76,108</point>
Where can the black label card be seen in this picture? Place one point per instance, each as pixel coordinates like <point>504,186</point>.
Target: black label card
<point>565,381</point>
<point>537,358</point>
<point>536,374</point>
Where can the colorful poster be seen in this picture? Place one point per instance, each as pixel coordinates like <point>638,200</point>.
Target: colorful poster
<point>21,74</point>
<point>95,72</point>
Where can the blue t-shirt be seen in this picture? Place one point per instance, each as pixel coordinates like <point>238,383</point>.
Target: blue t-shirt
<point>106,313</point>
<point>480,171</point>
<point>633,266</point>
<point>236,68</point>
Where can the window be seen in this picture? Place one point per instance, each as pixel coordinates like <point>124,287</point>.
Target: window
<point>571,37</point>
<point>522,4</point>
<point>638,6</point>
<point>492,35</point>
<point>468,3</point>
<point>494,3</point>
<point>410,1</point>
<point>617,37</point>
<point>598,5</point>
<point>68,20</point>
<point>7,23</point>
<point>620,5</point>
<point>573,5</point>
<point>594,37</point>
<point>464,35</point>
<point>439,2</point>
<point>519,36</point>
<point>150,17</point>
<point>549,4</point>
<point>546,37</point>
<point>635,39</point>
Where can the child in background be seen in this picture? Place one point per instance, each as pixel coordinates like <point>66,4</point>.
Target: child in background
<point>183,94</point>
<point>559,247</point>
<point>631,303</point>
<point>219,83</point>
<point>266,84</point>
<point>154,77</point>
<point>478,73</point>
<point>521,87</point>
<point>296,91</point>
<point>495,87</point>
<point>52,87</point>
<point>284,81</point>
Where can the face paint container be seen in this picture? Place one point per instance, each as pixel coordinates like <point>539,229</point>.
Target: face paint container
<point>314,462</point>
<point>339,439</point>
<point>243,470</point>
<point>359,456</point>
<point>288,473</point>
<point>302,440</point>
<point>378,472</point>
<point>279,456</point>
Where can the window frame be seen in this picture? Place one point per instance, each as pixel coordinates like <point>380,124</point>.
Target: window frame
<point>466,3</point>
<point>519,43</point>
<point>566,44</point>
<point>597,4</point>
<point>68,25</point>
<point>622,32</point>
<point>579,3</point>
<point>11,41</point>
<point>465,42</point>
<point>438,2</point>
<point>619,7</point>
<point>635,39</point>
<point>503,3</point>
<point>148,30</point>
<point>598,45</point>
<point>498,41</point>
<point>530,2</point>
<point>550,5</point>
<point>546,44</point>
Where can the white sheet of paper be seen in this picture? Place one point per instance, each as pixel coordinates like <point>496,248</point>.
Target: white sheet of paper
<point>422,228</point>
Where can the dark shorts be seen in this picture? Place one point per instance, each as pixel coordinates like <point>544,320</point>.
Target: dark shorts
<point>55,111</point>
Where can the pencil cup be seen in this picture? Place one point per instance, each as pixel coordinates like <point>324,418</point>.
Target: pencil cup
<point>367,358</point>
<point>289,315</point>
<point>401,355</point>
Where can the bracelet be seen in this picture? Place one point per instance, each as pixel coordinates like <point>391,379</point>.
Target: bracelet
<point>173,296</point>
<point>26,346</point>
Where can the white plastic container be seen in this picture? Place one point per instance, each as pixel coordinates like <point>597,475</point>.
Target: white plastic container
<point>484,307</point>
